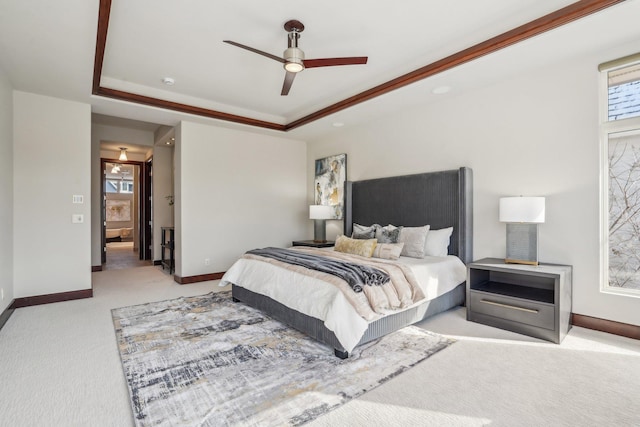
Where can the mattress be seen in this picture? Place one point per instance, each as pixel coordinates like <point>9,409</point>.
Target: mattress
<point>321,300</point>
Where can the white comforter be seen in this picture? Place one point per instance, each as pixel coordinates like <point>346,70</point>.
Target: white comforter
<point>322,300</point>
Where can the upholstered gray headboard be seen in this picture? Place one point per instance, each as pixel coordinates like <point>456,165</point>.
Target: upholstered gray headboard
<point>440,199</point>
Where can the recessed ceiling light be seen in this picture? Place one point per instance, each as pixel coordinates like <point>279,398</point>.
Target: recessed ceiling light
<point>338,124</point>
<point>441,89</point>
<point>168,81</point>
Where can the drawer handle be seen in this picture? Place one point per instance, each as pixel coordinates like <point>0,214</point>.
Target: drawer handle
<point>499,304</point>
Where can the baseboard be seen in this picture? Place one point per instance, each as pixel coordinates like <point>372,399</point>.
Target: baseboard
<point>95,268</point>
<point>6,314</point>
<point>157,262</point>
<point>198,278</point>
<point>603,325</point>
<point>50,298</point>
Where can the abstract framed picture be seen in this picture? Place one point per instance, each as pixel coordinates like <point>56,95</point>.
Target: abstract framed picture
<point>118,210</point>
<point>330,175</point>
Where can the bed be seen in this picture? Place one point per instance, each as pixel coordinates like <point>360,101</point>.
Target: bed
<point>440,199</point>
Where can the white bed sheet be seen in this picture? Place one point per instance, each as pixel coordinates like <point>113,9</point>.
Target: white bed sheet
<point>319,299</point>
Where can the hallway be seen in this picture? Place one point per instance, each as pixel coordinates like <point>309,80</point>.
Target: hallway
<point>121,255</point>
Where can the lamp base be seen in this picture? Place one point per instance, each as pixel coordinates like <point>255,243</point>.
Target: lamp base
<point>319,231</point>
<point>522,244</point>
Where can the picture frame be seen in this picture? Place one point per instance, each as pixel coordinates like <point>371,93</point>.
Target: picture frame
<point>330,176</point>
<point>118,210</point>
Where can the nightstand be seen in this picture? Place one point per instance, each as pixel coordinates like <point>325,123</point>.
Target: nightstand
<point>313,244</point>
<point>531,300</point>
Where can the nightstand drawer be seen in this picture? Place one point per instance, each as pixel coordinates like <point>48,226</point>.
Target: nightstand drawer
<point>514,309</point>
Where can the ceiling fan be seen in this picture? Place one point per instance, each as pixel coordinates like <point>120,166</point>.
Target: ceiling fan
<point>293,57</point>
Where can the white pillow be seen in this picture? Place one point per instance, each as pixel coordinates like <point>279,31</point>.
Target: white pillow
<point>414,239</point>
<point>388,250</point>
<point>438,242</point>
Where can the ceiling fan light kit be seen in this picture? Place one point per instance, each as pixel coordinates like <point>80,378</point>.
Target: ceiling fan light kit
<point>293,58</point>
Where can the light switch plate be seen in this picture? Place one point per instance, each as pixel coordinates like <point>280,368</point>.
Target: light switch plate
<point>78,199</point>
<point>77,218</point>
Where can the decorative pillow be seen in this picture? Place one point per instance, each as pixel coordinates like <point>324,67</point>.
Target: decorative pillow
<point>364,232</point>
<point>414,239</point>
<point>363,248</point>
<point>370,234</point>
<point>438,242</point>
<point>388,234</point>
<point>388,250</point>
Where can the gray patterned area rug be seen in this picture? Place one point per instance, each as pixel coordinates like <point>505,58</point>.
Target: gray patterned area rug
<point>207,361</point>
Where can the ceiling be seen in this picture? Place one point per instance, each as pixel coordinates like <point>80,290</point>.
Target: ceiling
<point>50,47</point>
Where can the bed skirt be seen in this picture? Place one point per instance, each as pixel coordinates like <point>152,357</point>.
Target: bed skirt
<point>315,327</point>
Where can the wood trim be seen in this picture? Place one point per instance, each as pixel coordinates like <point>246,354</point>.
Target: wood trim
<point>95,268</point>
<point>603,325</point>
<point>6,314</point>
<point>536,27</point>
<point>556,19</point>
<point>50,298</point>
<point>101,42</point>
<point>198,278</point>
<point>184,108</point>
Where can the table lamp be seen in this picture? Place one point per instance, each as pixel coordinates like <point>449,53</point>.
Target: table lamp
<point>319,214</point>
<point>522,215</point>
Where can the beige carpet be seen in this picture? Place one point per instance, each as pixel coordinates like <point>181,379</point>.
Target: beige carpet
<point>59,366</point>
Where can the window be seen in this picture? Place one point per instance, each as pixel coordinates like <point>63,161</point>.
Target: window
<point>126,186</point>
<point>119,186</point>
<point>112,186</point>
<point>620,136</point>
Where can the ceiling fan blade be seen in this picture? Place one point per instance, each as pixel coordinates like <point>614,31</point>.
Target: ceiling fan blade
<point>259,52</point>
<point>330,62</point>
<point>288,81</point>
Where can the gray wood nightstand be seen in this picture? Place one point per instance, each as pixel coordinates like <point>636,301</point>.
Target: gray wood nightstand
<point>531,300</point>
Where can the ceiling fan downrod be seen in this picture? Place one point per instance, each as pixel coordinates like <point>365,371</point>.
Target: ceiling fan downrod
<point>293,56</point>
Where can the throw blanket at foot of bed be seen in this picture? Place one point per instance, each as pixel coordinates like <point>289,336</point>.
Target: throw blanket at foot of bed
<point>400,291</point>
<point>356,275</point>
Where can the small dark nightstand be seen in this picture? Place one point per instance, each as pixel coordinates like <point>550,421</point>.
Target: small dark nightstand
<point>313,244</point>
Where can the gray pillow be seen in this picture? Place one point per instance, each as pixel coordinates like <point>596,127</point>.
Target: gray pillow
<point>369,234</point>
<point>388,234</point>
<point>364,232</point>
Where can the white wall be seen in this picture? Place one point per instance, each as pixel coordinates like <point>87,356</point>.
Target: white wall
<point>534,135</point>
<point>52,160</point>
<point>6,190</point>
<point>235,191</point>
<point>162,187</point>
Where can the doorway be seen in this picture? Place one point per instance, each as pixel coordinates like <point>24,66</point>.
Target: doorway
<point>126,218</point>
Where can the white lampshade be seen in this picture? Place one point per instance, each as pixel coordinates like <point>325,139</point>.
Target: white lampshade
<point>522,209</point>
<point>123,154</point>
<point>320,212</point>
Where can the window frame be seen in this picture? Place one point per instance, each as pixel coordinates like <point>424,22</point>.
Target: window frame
<point>126,183</point>
<point>606,129</point>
